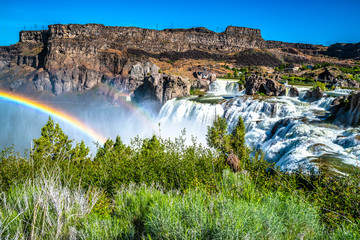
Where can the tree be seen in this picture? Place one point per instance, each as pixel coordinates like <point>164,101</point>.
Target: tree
<point>238,140</point>
<point>54,145</point>
<point>217,136</point>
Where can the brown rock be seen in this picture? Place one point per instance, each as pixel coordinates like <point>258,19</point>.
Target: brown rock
<point>314,94</point>
<point>345,110</point>
<point>258,84</point>
<point>293,92</point>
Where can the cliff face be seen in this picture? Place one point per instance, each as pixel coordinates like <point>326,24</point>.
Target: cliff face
<point>232,40</point>
<point>344,50</point>
<point>78,57</point>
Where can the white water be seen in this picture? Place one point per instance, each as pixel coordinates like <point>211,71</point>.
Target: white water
<point>290,131</point>
<point>223,87</point>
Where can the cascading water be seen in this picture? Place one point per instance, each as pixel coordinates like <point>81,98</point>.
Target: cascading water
<point>290,131</point>
<point>224,87</point>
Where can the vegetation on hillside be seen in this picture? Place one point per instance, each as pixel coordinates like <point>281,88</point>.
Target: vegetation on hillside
<point>157,188</point>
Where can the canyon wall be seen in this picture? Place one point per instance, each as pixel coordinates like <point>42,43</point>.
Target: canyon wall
<point>78,57</point>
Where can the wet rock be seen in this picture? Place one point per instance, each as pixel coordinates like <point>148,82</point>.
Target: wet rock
<point>283,123</point>
<point>258,84</point>
<point>293,92</point>
<point>314,94</point>
<point>345,110</point>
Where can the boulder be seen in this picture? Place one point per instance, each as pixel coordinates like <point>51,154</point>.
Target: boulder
<point>201,84</point>
<point>258,84</point>
<point>314,94</point>
<point>205,75</point>
<point>293,92</point>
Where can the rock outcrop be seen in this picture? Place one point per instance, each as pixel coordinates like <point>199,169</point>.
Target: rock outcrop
<point>259,84</point>
<point>314,94</point>
<point>345,110</point>
<point>159,88</point>
<point>344,50</point>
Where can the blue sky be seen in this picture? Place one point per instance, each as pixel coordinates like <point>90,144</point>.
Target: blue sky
<point>317,22</point>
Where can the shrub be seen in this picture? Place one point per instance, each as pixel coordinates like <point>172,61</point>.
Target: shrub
<point>321,85</point>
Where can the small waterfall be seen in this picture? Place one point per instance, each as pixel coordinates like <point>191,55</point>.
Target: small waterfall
<point>224,87</point>
<point>324,102</point>
<point>287,88</point>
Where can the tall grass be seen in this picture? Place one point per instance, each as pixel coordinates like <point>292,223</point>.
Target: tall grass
<point>47,209</point>
<point>44,209</point>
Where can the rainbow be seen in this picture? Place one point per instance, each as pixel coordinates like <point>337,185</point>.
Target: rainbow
<point>65,117</point>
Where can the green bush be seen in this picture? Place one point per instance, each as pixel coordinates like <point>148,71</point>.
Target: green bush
<point>321,85</point>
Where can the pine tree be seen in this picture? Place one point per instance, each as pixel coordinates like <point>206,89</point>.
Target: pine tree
<point>238,140</point>
<point>54,145</point>
<point>217,136</point>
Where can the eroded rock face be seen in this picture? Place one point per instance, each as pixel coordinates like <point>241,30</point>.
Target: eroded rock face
<point>159,88</point>
<point>345,110</point>
<point>314,94</point>
<point>259,84</point>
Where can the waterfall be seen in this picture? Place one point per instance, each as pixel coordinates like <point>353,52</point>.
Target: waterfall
<point>288,130</point>
<point>224,87</point>
<point>195,117</point>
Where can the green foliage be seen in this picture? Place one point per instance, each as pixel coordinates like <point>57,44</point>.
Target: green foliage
<point>226,67</point>
<point>296,79</point>
<point>237,141</point>
<point>321,85</point>
<point>196,91</point>
<point>242,80</point>
<point>13,168</point>
<point>350,70</point>
<point>236,72</point>
<point>54,145</point>
<point>321,65</point>
<point>217,136</point>
<point>281,67</point>
<point>160,189</point>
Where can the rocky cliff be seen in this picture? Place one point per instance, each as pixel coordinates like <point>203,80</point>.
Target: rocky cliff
<point>344,50</point>
<point>79,57</point>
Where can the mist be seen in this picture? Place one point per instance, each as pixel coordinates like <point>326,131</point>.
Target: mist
<point>21,124</point>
